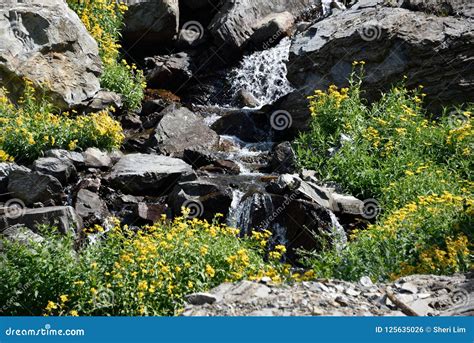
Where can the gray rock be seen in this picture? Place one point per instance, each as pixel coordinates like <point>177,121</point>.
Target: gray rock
<point>5,170</point>
<point>64,218</point>
<point>141,174</point>
<point>47,43</point>
<point>21,234</point>
<point>234,25</point>
<point>169,71</point>
<point>181,129</point>
<point>103,100</point>
<point>90,207</point>
<point>272,28</point>
<point>95,158</point>
<point>75,157</point>
<point>244,98</point>
<point>151,21</point>
<point>393,42</point>
<point>33,187</point>
<point>61,169</point>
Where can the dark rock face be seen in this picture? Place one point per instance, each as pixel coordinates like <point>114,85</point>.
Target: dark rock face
<point>283,159</point>
<point>169,72</point>
<point>64,218</point>
<point>393,42</point>
<point>90,207</point>
<point>61,169</point>
<point>32,187</point>
<point>141,174</point>
<point>5,170</point>
<point>151,21</point>
<point>235,23</point>
<point>249,126</point>
<point>181,129</point>
<point>203,197</point>
<point>75,158</point>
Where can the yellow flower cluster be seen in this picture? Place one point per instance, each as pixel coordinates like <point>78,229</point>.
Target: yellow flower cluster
<point>333,96</point>
<point>103,19</point>
<point>32,127</point>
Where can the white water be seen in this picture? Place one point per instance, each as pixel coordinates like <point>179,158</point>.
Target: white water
<point>264,74</point>
<point>237,196</point>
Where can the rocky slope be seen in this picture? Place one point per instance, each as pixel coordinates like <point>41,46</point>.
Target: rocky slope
<point>415,295</point>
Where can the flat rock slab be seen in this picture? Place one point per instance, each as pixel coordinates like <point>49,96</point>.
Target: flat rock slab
<point>141,174</point>
<point>64,218</point>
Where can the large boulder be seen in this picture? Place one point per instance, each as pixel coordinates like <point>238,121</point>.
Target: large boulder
<point>142,174</point>
<point>435,51</point>
<point>47,43</point>
<point>5,170</point>
<point>151,21</point>
<point>61,169</point>
<point>237,21</point>
<point>181,129</point>
<point>33,187</point>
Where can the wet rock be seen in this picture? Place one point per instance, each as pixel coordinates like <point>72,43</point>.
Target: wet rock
<point>205,198</point>
<point>181,129</point>
<point>151,22</point>
<point>61,169</point>
<point>90,207</point>
<point>393,42</point>
<point>130,121</point>
<point>47,43</point>
<point>198,157</point>
<point>247,125</point>
<point>244,98</point>
<point>32,187</point>
<point>95,158</point>
<point>90,183</point>
<point>222,167</point>
<point>283,159</point>
<point>141,174</point>
<point>234,25</point>
<point>64,218</point>
<point>169,71</point>
<point>271,29</point>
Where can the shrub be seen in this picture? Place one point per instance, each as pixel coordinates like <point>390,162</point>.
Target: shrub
<point>418,169</point>
<point>31,127</point>
<point>145,272</point>
<point>104,20</point>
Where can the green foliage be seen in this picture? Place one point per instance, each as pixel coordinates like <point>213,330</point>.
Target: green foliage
<point>418,169</point>
<point>146,272</point>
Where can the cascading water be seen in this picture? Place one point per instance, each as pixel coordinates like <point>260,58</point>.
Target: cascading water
<point>263,74</point>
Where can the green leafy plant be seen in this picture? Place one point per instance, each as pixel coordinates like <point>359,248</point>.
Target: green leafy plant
<point>417,168</point>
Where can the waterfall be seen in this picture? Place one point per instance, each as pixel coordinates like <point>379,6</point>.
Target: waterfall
<point>263,74</point>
